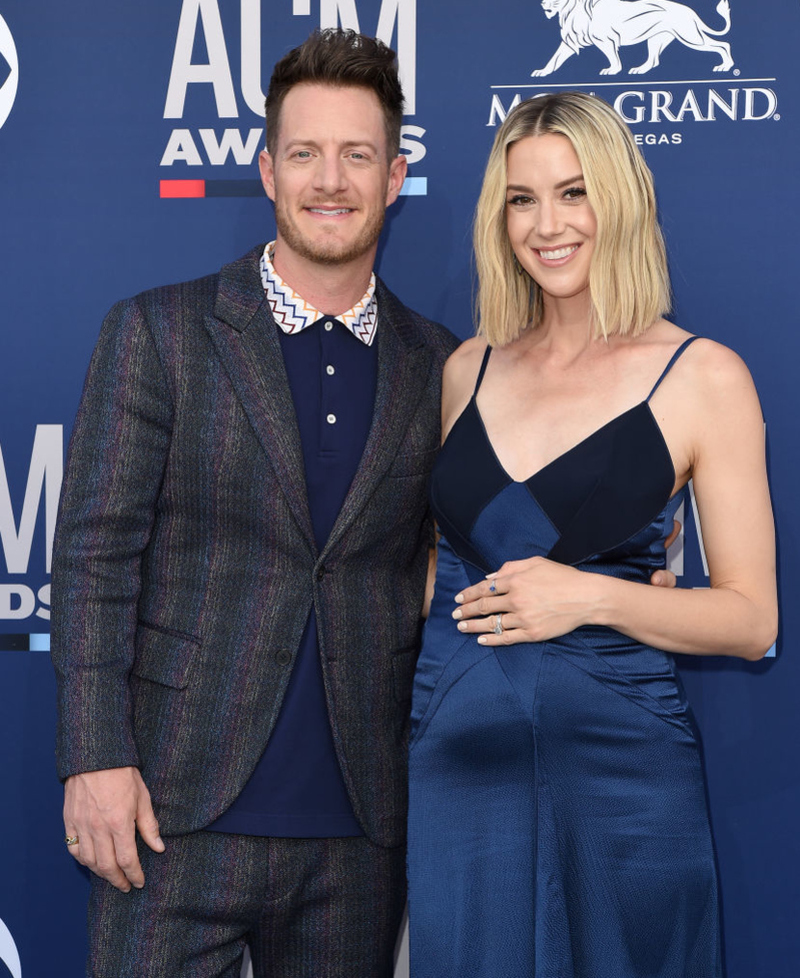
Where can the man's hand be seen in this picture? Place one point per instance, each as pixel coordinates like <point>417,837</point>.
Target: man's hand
<point>665,578</point>
<point>104,809</point>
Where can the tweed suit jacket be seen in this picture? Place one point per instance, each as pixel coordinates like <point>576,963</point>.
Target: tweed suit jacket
<point>185,567</point>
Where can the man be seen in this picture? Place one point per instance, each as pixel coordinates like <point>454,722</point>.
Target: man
<point>239,569</point>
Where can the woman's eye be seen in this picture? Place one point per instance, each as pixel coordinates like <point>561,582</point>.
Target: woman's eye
<point>520,200</point>
<point>575,193</point>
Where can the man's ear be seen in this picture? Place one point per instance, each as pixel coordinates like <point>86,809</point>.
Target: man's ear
<point>397,174</point>
<point>267,171</point>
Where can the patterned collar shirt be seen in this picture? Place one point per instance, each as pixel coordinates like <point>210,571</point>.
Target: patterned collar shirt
<point>293,314</point>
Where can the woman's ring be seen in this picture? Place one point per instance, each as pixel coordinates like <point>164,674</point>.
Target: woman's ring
<point>493,585</point>
<point>71,840</point>
<point>498,624</point>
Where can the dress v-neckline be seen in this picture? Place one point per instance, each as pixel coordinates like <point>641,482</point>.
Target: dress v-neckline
<point>598,431</point>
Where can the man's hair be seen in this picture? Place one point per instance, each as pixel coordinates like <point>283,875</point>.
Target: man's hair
<point>339,57</point>
<point>628,279</point>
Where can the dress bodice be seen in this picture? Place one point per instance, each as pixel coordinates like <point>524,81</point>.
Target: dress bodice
<point>610,494</point>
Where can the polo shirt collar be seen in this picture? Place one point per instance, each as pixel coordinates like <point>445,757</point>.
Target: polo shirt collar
<point>292,313</point>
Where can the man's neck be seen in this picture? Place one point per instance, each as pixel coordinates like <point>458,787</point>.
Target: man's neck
<point>333,289</point>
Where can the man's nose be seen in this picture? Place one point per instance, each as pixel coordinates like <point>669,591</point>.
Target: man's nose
<point>330,175</point>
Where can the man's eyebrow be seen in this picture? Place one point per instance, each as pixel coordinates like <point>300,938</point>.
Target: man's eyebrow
<point>347,144</point>
<point>300,142</point>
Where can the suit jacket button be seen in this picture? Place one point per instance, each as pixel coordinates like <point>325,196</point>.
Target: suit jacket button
<point>321,572</point>
<point>283,658</point>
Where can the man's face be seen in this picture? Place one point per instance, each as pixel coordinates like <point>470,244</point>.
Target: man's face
<point>330,176</point>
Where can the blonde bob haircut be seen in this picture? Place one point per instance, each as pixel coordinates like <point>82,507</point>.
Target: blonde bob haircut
<point>628,279</point>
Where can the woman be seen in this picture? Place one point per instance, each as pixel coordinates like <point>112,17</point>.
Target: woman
<point>558,823</point>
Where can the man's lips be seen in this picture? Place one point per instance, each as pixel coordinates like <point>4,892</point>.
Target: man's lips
<point>322,211</point>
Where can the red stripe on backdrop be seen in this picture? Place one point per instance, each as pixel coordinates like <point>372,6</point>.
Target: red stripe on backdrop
<point>182,188</point>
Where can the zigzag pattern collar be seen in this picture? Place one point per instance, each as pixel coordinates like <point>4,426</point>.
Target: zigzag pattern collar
<point>292,313</point>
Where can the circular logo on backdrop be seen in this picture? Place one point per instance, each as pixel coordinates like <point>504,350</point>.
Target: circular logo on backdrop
<point>8,88</point>
<point>9,955</point>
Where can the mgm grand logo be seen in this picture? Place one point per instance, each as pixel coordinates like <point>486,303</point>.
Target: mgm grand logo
<point>611,26</point>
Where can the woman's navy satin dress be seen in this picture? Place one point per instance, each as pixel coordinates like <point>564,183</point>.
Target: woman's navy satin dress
<point>558,823</point>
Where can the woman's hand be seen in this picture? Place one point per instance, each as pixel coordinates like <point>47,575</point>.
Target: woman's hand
<point>535,600</point>
<point>529,600</point>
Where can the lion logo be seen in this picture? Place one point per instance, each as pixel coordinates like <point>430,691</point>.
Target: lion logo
<point>611,24</point>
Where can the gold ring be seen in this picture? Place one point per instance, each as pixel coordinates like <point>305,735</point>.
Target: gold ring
<point>71,840</point>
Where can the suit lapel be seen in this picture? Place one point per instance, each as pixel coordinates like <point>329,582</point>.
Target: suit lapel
<point>404,365</point>
<point>245,336</point>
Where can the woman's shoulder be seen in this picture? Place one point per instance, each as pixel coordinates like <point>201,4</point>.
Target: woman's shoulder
<point>706,367</point>
<point>460,377</point>
<point>464,364</point>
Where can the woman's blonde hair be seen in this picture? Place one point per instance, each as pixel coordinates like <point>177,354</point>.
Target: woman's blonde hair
<point>628,279</point>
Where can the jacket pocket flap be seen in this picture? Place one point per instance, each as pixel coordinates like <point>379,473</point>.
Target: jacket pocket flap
<point>164,657</point>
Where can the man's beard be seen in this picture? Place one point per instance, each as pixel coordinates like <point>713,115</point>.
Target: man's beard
<point>331,251</point>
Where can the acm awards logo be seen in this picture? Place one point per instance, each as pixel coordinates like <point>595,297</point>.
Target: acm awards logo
<point>612,26</point>
<point>215,28</point>
<point>8,58</point>
<point>26,530</point>
<point>9,955</point>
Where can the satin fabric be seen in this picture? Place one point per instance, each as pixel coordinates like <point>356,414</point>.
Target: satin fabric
<point>558,823</point>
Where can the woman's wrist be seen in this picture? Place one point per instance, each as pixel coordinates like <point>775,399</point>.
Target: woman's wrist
<point>601,604</point>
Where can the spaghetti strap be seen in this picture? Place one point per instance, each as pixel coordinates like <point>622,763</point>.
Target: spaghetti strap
<point>672,360</point>
<point>482,371</point>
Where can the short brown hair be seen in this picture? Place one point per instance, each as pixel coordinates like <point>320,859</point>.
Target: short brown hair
<point>340,57</point>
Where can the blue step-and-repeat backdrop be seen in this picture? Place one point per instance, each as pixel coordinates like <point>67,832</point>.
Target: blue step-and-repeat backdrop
<point>128,140</point>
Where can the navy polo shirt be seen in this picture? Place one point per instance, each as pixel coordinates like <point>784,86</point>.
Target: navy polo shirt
<point>297,789</point>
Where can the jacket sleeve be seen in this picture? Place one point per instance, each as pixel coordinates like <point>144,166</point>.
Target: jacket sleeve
<point>114,470</point>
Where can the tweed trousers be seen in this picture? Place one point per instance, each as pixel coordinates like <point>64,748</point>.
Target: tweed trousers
<point>307,908</point>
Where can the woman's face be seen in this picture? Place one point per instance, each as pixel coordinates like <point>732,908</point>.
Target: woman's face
<point>551,225</point>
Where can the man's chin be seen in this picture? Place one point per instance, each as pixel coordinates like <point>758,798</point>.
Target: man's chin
<point>329,249</point>
<point>331,252</point>
<point>335,256</point>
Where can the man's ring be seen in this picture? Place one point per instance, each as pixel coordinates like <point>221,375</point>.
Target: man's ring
<point>71,840</point>
<point>498,625</point>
